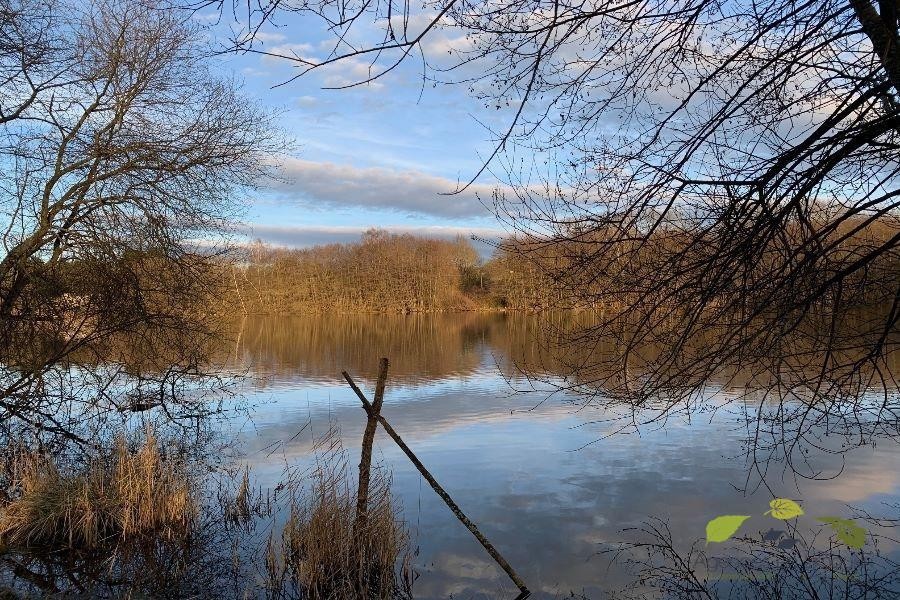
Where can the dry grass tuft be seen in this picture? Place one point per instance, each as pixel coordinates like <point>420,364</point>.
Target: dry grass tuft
<point>121,496</point>
<point>323,553</point>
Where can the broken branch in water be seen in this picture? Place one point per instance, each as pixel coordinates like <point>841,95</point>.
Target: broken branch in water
<point>365,462</point>
<point>374,413</point>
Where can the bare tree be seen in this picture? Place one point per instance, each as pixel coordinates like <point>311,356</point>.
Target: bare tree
<point>121,155</point>
<point>722,179</point>
<point>31,56</point>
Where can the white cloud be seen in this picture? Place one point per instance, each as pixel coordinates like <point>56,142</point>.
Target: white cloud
<point>254,72</point>
<point>307,101</point>
<point>268,36</point>
<point>405,191</point>
<point>305,236</point>
<point>351,71</point>
<point>285,53</point>
<point>207,18</point>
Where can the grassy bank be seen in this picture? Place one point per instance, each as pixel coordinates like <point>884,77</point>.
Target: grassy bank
<point>135,521</point>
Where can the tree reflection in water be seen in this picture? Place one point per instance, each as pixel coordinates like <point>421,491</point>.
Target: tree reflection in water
<point>224,556</point>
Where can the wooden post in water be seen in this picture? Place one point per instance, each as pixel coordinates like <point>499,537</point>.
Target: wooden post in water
<point>365,461</point>
<point>373,412</point>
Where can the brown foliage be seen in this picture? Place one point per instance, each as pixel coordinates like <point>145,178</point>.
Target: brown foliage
<point>382,273</point>
<point>391,273</point>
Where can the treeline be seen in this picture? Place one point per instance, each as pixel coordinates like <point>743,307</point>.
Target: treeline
<point>386,272</point>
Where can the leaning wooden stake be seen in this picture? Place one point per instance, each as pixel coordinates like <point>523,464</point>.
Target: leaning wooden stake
<point>365,461</point>
<point>375,414</point>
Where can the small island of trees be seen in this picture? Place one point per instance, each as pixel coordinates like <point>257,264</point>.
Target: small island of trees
<point>389,272</point>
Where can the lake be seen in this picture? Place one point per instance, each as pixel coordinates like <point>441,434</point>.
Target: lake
<point>538,474</point>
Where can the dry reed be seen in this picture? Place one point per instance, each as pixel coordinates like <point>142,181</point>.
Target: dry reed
<point>119,498</point>
<point>325,553</point>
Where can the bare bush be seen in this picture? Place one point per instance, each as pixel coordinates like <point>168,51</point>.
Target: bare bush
<point>121,154</point>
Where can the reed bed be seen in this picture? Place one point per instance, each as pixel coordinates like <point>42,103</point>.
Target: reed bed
<point>118,499</point>
<point>130,521</point>
<point>325,552</point>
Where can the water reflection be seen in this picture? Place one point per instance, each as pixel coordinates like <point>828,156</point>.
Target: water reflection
<point>783,564</point>
<point>538,476</point>
<point>422,347</point>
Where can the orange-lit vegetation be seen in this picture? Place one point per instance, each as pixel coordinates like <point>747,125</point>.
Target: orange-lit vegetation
<point>119,147</point>
<point>403,273</point>
<point>121,498</point>
<point>386,273</point>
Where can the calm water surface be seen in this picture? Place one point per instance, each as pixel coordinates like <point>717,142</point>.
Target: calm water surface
<point>533,472</point>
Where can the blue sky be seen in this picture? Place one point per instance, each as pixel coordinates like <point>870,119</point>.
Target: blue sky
<point>375,155</point>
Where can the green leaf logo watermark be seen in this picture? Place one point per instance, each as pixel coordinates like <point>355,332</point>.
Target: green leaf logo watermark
<point>847,531</point>
<point>722,528</point>
<point>784,509</point>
